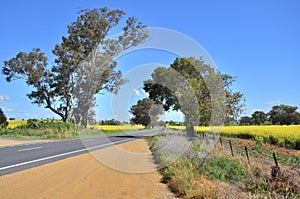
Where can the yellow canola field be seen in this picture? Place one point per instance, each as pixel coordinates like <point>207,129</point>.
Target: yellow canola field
<point>282,134</point>
<point>125,127</point>
<point>15,123</point>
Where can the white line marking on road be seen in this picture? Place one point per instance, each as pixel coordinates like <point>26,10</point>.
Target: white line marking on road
<point>29,149</point>
<point>63,154</point>
<point>89,140</point>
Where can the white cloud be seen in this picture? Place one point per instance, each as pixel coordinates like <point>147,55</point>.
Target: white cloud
<point>5,109</point>
<point>136,92</point>
<point>272,103</point>
<point>32,115</point>
<point>4,98</point>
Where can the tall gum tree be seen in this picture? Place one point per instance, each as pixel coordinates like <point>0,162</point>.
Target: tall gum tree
<point>80,69</point>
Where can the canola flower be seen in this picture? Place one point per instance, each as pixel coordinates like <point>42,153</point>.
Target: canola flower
<point>285,136</point>
<point>15,123</point>
<point>125,127</point>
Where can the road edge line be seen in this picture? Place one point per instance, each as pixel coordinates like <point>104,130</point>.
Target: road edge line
<point>62,154</point>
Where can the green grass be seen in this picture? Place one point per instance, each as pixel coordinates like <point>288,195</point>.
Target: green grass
<point>192,175</point>
<point>49,130</point>
<point>183,178</point>
<point>225,169</point>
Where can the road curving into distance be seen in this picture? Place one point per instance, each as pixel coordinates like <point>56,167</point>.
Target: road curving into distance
<point>20,157</point>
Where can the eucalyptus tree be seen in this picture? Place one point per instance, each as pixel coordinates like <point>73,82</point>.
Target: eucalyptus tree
<point>84,64</point>
<point>145,112</point>
<point>284,114</point>
<point>187,85</point>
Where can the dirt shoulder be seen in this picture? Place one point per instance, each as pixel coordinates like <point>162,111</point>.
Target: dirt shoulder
<point>11,141</point>
<point>83,176</point>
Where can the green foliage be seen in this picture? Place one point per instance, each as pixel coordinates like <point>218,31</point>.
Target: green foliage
<point>246,120</point>
<point>284,114</point>
<point>145,112</point>
<point>110,122</point>
<point>152,139</point>
<point>259,117</point>
<point>181,173</point>
<point>258,147</point>
<point>97,71</point>
<point>225,169</point>
<point>55,126</point>
<point>3,120</point>
<point>35,129</point>
<point>186,175</point>
<point>80,70</point>
<point>48,129</point>
<point>194,88</point>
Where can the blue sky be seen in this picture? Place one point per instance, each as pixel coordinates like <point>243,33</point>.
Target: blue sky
<point>256,41</point>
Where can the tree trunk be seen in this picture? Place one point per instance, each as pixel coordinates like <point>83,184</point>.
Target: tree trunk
<point>68,108</point>
<point>66,119</point>
<point>190,131</point>
<point>84,119</point>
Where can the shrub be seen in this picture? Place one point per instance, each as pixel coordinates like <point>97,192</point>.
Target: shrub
<point>279,184</point>
<point>169,148</point>
<point>224,169</point>
<point>184,179</point>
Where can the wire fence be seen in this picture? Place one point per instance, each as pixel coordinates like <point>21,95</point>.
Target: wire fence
<point>250,154</point>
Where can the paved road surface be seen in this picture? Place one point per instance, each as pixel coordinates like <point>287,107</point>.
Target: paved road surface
<point>21,157</point>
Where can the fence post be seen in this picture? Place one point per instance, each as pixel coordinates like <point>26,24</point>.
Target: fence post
<point>206,139</point>
<point>248,158</point>
<point>275,159</point>
<point>215,142</point>
<point>221,142</point>
<point>231,148</point>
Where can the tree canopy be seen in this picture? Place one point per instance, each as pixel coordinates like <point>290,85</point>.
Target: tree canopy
<point>284,114</point>
<point>3,119</point>
<point>145,112</point>
<point>259,117</point>
<point>84,64</point>
<point>279,114</point>
<point>187,85</point>
<point>246,120</point>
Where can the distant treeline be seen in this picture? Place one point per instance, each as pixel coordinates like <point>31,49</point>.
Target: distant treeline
<point>111,122</point>
<point>278,115</point>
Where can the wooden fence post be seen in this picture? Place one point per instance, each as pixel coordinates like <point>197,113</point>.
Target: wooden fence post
<point>215,142</point>
<point>206,139</point>
<point>221,142</point>
<point>231,148</point>
<point>275,159</point>
<point>248,158</point>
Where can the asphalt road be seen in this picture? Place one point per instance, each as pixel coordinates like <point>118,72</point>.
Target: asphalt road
<point>20,157</point>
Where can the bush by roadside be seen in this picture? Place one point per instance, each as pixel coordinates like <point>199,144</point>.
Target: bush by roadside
<point>193,170</point>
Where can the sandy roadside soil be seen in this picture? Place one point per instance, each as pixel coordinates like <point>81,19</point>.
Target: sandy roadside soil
<point>10,142</point>
<point>83,176</point>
